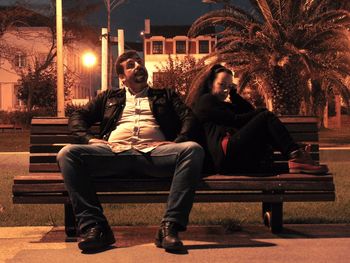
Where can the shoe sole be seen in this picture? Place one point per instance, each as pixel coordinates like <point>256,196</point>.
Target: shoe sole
<point>297,171</point>
<point>159,244</point>
<point>93,246</point>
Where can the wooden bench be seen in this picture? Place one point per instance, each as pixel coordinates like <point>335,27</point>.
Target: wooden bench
<point>44,184</point>
<point>11,127</point>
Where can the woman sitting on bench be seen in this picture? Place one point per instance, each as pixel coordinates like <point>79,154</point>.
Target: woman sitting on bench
<point>237,135</point>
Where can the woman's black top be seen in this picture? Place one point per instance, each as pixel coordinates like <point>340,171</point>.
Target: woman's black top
<point>219,118</point>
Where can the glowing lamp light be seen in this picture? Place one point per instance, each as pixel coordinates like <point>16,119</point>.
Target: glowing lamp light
<point>89,59</point>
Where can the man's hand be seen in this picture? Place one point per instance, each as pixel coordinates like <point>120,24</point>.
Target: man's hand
<point>94,140</point>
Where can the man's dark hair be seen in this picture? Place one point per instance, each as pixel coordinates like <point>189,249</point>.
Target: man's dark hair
<point>125,56</point>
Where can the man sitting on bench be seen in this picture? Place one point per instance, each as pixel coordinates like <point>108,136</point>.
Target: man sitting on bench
<point>143,131</point>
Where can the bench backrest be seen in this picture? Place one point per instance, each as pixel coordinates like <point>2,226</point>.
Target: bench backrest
<point>50,134</point>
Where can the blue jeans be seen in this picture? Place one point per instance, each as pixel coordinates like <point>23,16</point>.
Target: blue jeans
<point>80,163</point>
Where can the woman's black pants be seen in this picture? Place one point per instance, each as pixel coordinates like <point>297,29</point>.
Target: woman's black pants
<point>249,146</point>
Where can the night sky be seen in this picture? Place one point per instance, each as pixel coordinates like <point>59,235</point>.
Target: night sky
<point>130,16</point>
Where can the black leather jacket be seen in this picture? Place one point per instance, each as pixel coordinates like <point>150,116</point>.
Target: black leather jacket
<point>176,121</point>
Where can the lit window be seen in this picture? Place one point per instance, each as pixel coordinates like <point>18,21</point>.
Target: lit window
<point>158,76</point>
<point>180,47</point>
<point>20,60</point>
<point>157,47</point>
<point>203,46</point>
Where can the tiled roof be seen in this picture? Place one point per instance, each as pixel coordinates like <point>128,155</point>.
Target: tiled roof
<point>170,31</point>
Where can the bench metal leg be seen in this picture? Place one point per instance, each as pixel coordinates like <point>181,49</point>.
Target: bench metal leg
<point>70,224</point>
<point>273,216</point>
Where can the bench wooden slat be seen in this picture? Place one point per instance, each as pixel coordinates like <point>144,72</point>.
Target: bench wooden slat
<point>57,129</point>
<point>285,118</point>
<point>53,167</point>
<point>200,197</point>
<point>60,129</point>
<point>47,158</point>
<point>49,121</point>
<point>46,148</point>
<point>43,167</point>
<point>302,127</point>
<point>50,155</point>
<point>278,168</point>
<point>310,137</point>
<point>300,119</point>
<point>52,177</point>
<point>49,139</point>
<point>152,185</point>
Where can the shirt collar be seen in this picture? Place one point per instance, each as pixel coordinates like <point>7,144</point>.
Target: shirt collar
<point>141,94</point>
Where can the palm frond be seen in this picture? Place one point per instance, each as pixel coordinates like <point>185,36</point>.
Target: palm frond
<point>336,17</point>
<point>295,10</point>
<point>266,11</point>
<point>325,35</point>
<point>315,7</point>
<point>236,19</point>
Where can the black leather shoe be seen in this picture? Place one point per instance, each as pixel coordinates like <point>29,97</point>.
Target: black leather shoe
<point>96,237</point>
<point>167,237</point>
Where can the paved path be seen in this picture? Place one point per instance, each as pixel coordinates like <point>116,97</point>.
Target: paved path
<point>299,243</point>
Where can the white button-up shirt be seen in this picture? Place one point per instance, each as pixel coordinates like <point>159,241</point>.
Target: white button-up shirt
<point>137,127</point>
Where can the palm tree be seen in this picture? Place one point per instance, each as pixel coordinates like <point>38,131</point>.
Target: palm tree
<point>282,48</point>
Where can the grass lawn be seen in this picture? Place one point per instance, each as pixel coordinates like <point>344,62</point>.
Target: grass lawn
<point>335,136</point>
<point>150,214</point>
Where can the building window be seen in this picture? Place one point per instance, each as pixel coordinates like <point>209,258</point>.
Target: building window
<point>20,60</point>
<point>159,77</point>
<point>157,47</point>
<point>180,47</point>
<point>203,46</point>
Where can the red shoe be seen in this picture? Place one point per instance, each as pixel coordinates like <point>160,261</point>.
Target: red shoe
<point>301,162</point>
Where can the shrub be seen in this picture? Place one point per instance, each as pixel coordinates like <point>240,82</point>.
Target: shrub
<point>22,118</point>
<point>70,108</point>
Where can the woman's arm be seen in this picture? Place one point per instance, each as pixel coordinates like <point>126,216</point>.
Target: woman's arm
<point>210,109</point>
<point>240,104</point>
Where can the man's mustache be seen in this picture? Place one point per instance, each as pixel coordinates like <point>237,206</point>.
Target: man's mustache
<point>138,71</point>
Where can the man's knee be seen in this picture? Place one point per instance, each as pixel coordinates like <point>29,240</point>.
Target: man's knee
<point>194,149</point>
<point>66,151</point>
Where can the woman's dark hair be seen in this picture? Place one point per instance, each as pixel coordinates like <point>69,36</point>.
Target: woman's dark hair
<point>203,82</point>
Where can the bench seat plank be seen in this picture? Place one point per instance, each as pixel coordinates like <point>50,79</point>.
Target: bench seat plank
<point>297,182</point>
<point>124,186</point>
<point>50,177</point>
<point>147,197</point>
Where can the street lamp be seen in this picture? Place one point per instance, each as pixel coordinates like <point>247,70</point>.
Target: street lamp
<point>89,60</point>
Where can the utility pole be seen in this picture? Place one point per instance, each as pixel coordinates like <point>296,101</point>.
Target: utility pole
<point>104,59</point>
<point>110,6</point>
<point>60,76</point>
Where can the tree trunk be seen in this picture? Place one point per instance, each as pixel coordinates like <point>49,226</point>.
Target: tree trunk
<point>286,92</point>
